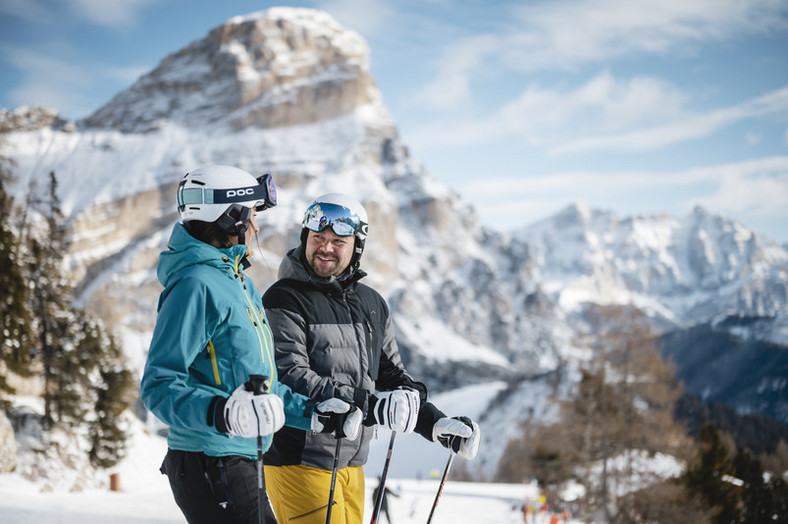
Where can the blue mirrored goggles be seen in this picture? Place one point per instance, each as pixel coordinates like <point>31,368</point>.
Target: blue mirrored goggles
<point>342,220</point>
<point>265,192</point>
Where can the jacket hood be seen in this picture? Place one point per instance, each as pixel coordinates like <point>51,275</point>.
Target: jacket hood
<point>184,250</point>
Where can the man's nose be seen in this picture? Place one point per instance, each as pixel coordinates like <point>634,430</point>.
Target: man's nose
<point>326,245</point>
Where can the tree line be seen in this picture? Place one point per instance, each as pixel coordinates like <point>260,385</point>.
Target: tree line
<point>45,339</point>
<point>621,422</point>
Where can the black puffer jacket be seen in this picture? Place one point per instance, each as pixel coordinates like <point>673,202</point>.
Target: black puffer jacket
<point>333,338</point>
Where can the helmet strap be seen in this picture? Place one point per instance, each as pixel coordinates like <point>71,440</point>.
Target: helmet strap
<point>235,220</point>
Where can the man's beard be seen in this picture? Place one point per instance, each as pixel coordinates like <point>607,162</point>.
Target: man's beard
<point>324,269</point>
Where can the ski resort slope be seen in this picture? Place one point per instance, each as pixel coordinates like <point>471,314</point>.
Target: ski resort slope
<point>461,502</point>
<point>145,496</point>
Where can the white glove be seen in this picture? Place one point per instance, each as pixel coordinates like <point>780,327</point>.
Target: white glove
<point>459,434</point>
<point>249,415</point>
<point>326,414</point>
<point>397,410</point>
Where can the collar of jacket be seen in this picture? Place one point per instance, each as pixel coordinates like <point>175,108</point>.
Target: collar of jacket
<point>184,250</point>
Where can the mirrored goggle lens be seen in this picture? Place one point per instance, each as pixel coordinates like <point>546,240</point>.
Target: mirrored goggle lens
<point>267,182</point>
<point>342,220</point>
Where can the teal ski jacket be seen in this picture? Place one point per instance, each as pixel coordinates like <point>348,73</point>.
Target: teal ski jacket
<point>211,334</point>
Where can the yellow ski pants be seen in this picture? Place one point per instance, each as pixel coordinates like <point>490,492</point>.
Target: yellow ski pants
<point>299,494</point>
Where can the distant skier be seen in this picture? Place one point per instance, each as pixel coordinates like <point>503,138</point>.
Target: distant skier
<point>384,503</point>
<point>335,337</point>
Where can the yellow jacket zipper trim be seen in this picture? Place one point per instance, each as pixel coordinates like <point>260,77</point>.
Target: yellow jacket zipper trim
<point>212,353</point>
<point>258,322</point>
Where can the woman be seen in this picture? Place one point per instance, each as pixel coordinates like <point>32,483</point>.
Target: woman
<point>210,344</point>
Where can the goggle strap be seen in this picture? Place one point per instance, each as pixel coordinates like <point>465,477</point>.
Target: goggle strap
<point>200,195</point>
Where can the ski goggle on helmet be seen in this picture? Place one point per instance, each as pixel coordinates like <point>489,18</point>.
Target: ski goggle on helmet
<point>206,193</point>
<point>344,215</point>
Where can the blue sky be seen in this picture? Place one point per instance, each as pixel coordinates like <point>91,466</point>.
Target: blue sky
<point>637,107</point>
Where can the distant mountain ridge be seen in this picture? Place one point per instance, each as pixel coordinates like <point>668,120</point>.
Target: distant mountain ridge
<point>685,270</point>
<point>288,91</point>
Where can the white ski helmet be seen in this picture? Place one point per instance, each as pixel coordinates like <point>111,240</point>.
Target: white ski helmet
<point>225,195</point>
<point>343,214</point>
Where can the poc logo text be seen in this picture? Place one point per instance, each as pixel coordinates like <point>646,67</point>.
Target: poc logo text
<point>240,192</point>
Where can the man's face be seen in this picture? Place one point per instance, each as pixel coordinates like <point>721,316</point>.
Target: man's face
<point>328,254</point>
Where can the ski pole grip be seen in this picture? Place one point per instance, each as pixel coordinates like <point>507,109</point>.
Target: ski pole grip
<point>339,424</point>
<point>257,384</point>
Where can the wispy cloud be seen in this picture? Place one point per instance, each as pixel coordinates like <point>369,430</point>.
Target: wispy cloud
<point>126,75</point>
<point>48,81</point>
<point>50,74</point>
<point>603,114</point>
<point>61,84</point>
<point>365,16</point>
<point>115,13</point>
<point>545,117</point>
<point>566,33</point>
<point>757,188</point>
<point>563,35</point>
<point>30,10</point>
<point>681,129</point>
<point>451,85</point>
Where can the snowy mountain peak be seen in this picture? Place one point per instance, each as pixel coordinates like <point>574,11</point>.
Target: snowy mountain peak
<point>276,68</point>
<point>678,267</point>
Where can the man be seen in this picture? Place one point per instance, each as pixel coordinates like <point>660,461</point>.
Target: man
<point>335,339</point>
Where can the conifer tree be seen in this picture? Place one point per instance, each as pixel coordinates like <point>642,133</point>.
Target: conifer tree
<point>86,384</point>
<point>51,292</point>
<point>111,388</point>
<point>710,476</point>
<point>15,328</point>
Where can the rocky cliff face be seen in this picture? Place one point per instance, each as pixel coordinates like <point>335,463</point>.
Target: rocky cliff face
<point>288,67</point>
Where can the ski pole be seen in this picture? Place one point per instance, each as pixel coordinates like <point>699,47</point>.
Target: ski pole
<point>383,476</point>
<point>333,480</point>
<point>339,421</point>
<point>258,383</point>
<point>440,488</point>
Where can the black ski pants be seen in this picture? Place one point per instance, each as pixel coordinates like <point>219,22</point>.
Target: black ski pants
<point>215,490</point>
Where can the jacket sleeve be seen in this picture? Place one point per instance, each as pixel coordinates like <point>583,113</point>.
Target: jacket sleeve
<point>292,358</point>
<point>298,408</point>
<point>392,375</point>
<point>178,337</point>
